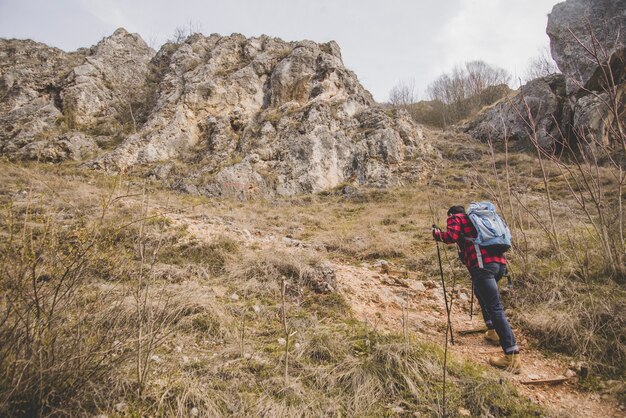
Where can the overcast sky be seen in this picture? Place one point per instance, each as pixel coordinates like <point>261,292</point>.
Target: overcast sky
<point>383,41</point>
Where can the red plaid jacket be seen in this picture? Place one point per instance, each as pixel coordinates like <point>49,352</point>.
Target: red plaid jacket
<point>459,227</point>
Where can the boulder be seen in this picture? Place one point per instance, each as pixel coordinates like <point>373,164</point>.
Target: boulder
<point>533,114</point>
<point>588,43</point>
<point>577,28</point>
<point>321,279</point>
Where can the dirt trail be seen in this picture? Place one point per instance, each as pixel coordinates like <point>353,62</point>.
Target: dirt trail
<point>380,298</point>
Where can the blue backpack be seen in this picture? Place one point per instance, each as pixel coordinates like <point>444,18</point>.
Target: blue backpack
<point>493,233</point>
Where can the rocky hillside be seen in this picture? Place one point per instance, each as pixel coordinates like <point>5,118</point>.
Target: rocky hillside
<point>211,115</point>
<point>580,105</point>
<point>56,105</point>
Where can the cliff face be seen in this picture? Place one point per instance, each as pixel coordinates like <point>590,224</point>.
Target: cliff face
<point>587,41</point>
<point>212,115</point>
<point>30,103</point>
<point>583,34</point>
<point>56,105</point>
<point>105,86</point>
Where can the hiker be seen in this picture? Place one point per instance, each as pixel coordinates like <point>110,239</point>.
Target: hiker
<point>460,230</point>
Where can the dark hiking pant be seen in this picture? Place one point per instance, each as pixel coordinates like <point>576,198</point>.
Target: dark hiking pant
<point>485,283</point>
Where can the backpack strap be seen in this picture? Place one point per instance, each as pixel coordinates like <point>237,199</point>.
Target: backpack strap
<point>479,256</point>
<point>460,250</point>
<point>472,241</point>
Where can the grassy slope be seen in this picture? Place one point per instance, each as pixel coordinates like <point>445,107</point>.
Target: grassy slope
<point>182,349</point>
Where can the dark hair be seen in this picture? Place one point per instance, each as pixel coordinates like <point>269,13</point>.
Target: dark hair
<point>455,209</point>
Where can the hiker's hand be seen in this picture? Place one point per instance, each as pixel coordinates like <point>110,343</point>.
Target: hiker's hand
<point>436,233</point>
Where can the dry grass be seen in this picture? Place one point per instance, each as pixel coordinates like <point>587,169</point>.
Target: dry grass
<point>570,317</point>
<point>210,340</point>
<point>262,271</point>
<point>394,225</point>
<point>218,344</point>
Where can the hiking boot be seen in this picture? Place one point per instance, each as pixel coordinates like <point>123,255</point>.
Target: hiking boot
<point>492,336</point>
<point>510,362</point>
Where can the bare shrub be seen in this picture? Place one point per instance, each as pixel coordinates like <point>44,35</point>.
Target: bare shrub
<point>181,33</point>
<point>78,299</point>
<point>403,93</point>
<point>59,326</point>
<point>591,161</point>
<point>541,65</point>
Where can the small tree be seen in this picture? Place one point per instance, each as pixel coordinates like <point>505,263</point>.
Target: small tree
<point>403,93</point>
<point>540,65</point>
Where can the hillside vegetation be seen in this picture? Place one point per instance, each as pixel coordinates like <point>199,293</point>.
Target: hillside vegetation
<point>114,305</point>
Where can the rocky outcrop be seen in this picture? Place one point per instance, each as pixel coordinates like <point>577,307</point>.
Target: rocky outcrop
<point>531,115</point>
<point>588,43</point>
<point>30,104</point>
<point>579,107</point>
<point>593,122</point>
<point>102,91</point>
<point>584,33</point>
<point>221,115</point>
<point>56,105</point>
<point>260,115</point>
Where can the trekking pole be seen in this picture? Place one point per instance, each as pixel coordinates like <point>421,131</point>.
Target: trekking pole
<point>448,329</point>
<point>472,304</point>
<point>454,276</point>
<point>445,294</point>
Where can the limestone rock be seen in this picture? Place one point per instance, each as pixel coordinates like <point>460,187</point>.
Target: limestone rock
<point>321,278</point>
<point>574,26</point>
<point>417,286</point>
<point>252,116</point>
<point>539,101</point>
<point>47,95</point>
<point>592,119</point>
<point>30,103</point>
<point>213,115</point>
<point>68,146</point>
<point>569,109</point>
<point>105,87</point>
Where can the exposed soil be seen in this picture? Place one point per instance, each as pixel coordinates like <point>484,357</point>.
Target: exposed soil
<point>380,298</point>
